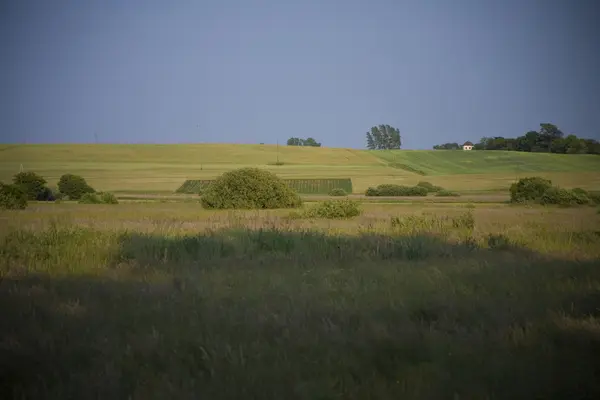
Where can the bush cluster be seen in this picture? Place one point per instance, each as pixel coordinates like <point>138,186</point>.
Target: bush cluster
<point>12,197</point>
<point>563,197</point>
<point>331,209</point>
<point>529,189</point>
<point>249,188</point>
<point>431,188</point>
<point>74,186</point>
<point>396,190</point>
<point>98,198</point>
<point>540,190</point>
<point>338,192</point>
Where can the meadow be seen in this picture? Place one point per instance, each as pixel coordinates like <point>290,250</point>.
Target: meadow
<point>464,297</point>
<point>147,300</point>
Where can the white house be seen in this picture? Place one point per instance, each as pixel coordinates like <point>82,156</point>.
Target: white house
<point>468,146</point>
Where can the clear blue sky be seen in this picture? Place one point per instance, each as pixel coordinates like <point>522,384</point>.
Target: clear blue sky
<point>250,71</point>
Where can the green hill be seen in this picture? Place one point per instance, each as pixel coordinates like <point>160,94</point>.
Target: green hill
<point>163,168</point>
<point>449,162</point>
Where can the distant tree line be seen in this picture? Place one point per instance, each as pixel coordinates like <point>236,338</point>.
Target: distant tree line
<point>294,141</point>
<point>447,146</point>
<point>549,139</point>
<point>381,137</point>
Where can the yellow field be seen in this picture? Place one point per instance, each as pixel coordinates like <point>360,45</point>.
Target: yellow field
<point>163,168</point>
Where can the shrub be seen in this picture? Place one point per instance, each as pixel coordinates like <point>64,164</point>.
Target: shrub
<point>32,185</point>
<point>57,195</point>
<point>74,186</point>
<point>46,195</point>
<point>529,189</point>
<point>371,192</point>
<point>447,193</point>
<point>98,198</point>
<point>249,188</point>
<point>90,198</point>
<point>563,197</point>
<point>431,188</point>
<point>594,197</point>
<point>396,190</point>
<point>338,192</point>
<point>12,197</point>
<point>108,198</point>
<point>334,209</point>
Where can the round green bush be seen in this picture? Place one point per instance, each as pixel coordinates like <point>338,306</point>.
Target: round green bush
<point>338,192</point>
<point>32,185</point>
<point>74,186</point>
<point>334,209</point>
<point>529,189</point>
<point>12,197</point>
<point>249,188</point>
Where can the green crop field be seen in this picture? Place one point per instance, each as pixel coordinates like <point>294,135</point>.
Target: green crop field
<point>164,168</point>
<point>448,162</point>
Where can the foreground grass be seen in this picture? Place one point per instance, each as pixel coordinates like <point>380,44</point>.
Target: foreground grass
<point>426,301</point>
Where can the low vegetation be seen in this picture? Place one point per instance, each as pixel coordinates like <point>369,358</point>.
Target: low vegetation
<point>330,209</point>
<point>12,197</point>
<point>249,188</point>
<point>303,186</point>
<point>431,188</point>
<point>447,193</point>
<point>338,192</point>
<point>99,198</point>
<point>414,302</point>
<point>396,190</point>
<point>540,190</point>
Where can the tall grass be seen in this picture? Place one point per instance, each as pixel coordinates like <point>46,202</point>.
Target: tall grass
<point>413,302</point>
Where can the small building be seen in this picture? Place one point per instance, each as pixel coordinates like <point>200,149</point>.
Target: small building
<point>467,146</point>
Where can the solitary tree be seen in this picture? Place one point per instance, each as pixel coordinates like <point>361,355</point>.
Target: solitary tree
<point>383,137</point>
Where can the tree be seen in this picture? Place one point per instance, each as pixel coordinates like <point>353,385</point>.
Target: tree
<point>31,184</point>
<point>383,137</point>
<point>311,142</point>
<point>294,141</point>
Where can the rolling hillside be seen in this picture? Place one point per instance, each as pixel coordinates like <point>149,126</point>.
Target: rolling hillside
<point>162,168</point>
<point>449,162</point>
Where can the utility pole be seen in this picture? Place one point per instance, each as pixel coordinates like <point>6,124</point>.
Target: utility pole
<point>278,152</point>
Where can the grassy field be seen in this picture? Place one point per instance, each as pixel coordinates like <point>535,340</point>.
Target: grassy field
<point>163,168</point>
<point>411,301</point>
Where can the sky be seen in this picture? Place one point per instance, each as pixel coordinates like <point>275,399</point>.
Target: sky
<point>261,71</point>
